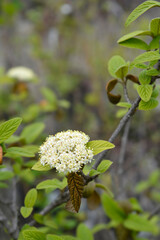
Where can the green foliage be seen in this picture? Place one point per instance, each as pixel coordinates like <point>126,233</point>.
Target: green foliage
<point>26,211</point>
<point>30,198</point>
<point>99,145</point>
<point>142,8</point>
<point>33,235</point>
<point>154,26</point>
<point>151,104</point>
<point>117,66</point>
<point>31,132</point>
<point>39,167</point>
<point>8,128</point>
<point>52,184</point>
<point>5,175</point>
<point>112,209</point>
<point>145,92</point>
<point>146,57</point>
<point>83,232</point>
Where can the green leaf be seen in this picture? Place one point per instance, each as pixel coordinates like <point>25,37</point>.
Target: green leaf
<point>30,198</point>
<point>155,93</point>
<point>26,211</point>
<point>54,237</point>
<point>154,44</point>
<point>99,227</point>
<point>83,232</point>
<point>99,145</point>
<point>122,71</point>
<point>39,167</point>
<point>8,128</point>
<point>112,209</point>
<point>124,104</point>
<point>139,223</point>
<point>6,175</point>
<point>142,186</point>
<point>33,235</point>
<point>120,113</point>
<point>155,26</point>
<point>144,78</point>
<point>18,151</point>
<point>114,64</point>
<point>145,92</point>
<point>152,72</point>
<point>142,8</point>
<point>146,57</point>
<point>151,104</point>
<point>65,237</point>
<point>135,43</point>
<point>54,183</point>
<point>133,34</point>
<point>93,172</point>
<point>104,165</point>
<point>13,139</point>
<point>31,132</point>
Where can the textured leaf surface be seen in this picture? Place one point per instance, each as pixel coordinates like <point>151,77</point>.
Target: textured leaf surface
<point>53,183</point>
<point>30,198</point>
<point>39,167</point>
<point>99,145</point>
<point>112,209</point>
<point>133,34</point>
<point>146,57</point>
<point>155,26</point>
<point>19,151</point>
<point>33,235</point>
<point>144,78</point>
<point>139,223</point>
<point>8,128</point>
<point>114,64</point>
<point>54,237</point>
<point>26,211</point>
<point>104,165</point>
<point>151,104</point>
<point>83,232</point>
<point>75,185</point>
<point>145,92</point>
<point>122,71</point>
<point>142,8</point>
<point>135,43</point>
<point>31,132</point>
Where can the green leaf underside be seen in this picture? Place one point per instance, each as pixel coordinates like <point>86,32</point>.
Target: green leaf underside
<point>26,211</point>
<point>54,184</point>
<point>139,223</point>
<point>142,8</point>
<point>33,235</point>
<point>144,78</point>
<point>76,186</point>
<point>135,43</point>
<point>83,232</point>
<point>54,237</point>
<point>145,92</point>
<point>19,151</point>
<point>99,145</point>
<point>6,175</point>
<point>93,172</point>
<point>155,26</point>
<point>124,104</point>
<point>122,71</point>
<point>39,167</point>
<point>8,128</point>
<point>114,64</point>
<point>30,198</point>
<point>31,132</point>
<point>151,104</point>
<point>154,44</point>
<point>133,34</point>
<point>104,165</point>
<point>112,209</point>
<point>146,57</point>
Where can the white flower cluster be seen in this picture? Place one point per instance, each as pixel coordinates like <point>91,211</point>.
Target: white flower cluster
<point>66,151</point>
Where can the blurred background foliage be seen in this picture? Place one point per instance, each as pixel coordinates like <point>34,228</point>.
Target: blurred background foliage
<point>63,47</point>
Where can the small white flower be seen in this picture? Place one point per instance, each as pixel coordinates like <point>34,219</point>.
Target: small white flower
<point>66,151</point>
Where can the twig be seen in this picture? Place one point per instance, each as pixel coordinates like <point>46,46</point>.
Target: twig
<point>126,93</point>
<point>64,197</point>
<point>120,126</point>
<point>123,148</point>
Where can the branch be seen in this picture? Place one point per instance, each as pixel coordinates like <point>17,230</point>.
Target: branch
<point>120,126</point>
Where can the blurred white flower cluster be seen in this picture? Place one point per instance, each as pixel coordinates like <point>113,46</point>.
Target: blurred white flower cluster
<point>66,151</point>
